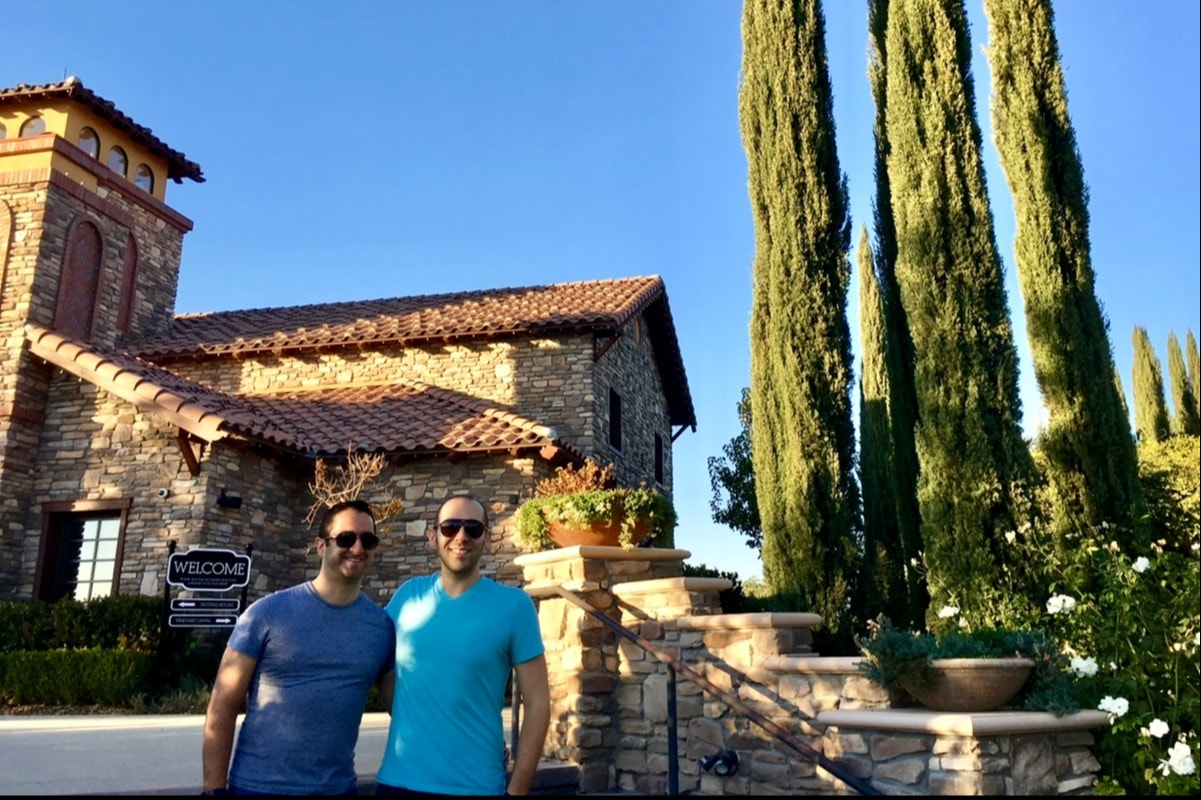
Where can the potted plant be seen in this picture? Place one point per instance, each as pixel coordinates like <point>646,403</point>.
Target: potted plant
<point>582,505</point>
<point>967,671</point>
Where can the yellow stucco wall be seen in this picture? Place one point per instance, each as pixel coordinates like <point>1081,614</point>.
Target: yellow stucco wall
<point>67,119</point>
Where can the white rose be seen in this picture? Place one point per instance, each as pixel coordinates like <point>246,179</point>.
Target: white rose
<point>947,611</point>
<point>1140,564</point>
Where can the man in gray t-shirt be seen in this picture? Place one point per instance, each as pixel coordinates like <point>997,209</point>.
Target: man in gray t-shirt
<point>303,660</point>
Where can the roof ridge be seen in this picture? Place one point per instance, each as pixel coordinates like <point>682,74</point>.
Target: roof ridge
<point>415,297</point>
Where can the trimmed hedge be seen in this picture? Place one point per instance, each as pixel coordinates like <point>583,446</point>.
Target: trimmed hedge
<point>129,622</point>
<point>74,677</point>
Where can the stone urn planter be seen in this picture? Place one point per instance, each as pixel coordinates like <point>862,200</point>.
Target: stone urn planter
<point>971,684</point>
<point>598,533</point>
<point>621,517</point>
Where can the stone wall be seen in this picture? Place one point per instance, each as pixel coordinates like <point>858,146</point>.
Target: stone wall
<point>628,367</point>
<point>610,706</point>
<point>95,446</point>
<point>41,208</point>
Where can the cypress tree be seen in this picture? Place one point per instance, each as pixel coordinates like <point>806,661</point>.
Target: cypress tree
<point>1184,398</point>
<point>882,579</point>
<point>801,369</point>
<point>1194,368</point>
<point>1091,461</point>
<point>897,346</point>
<point>975,468</point>
<point>1150,408</point>
<point>1117,383</point>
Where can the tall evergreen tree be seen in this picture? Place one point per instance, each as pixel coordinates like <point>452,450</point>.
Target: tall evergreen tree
<point>1184,398</point>
<point>882,580</point>
<point>1194,367</point>
<point>801,369</point>
<point>1117,383</point>
<point>975,468</point>
<point>897,345</point>
<point>1150,407</point>
<point>1091,461</point>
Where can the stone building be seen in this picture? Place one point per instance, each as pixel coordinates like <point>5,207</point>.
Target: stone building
<point>125,427</point>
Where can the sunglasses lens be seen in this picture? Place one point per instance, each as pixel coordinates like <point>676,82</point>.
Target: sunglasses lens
<point>346,540</point>
<point>451,527</point>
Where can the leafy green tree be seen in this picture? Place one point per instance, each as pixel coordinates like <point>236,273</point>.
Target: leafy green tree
<point>801,368</point>
<point>1150,407</point>
<point>1184,397</point>
<point>732,480</point>
<point>975,469</point>
<point>1092,463</point>
<point>897,345</point>
<point>1194,368</point>
<point>882,584</point>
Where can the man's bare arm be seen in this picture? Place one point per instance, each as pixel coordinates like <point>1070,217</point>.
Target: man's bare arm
<point>386,683</point>
<point>535,707</point>
<point>229,692</point>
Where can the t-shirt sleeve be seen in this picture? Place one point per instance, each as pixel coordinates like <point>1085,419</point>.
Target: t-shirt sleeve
<point>249,635</point>
<point>527,635</point>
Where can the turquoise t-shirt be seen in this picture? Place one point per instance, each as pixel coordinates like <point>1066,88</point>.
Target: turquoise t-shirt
<point>453,658</point>
<point>316,665</point>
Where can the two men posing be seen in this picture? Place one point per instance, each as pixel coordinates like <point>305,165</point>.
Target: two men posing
<point>304,660</point>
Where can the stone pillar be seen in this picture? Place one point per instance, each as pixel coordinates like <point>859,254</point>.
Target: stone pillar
<point>582,654</point>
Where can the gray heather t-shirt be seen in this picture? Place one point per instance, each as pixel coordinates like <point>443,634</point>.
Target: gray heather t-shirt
<point>316,665</point>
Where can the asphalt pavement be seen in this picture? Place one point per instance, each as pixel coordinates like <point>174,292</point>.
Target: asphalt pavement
<point>134,754</point>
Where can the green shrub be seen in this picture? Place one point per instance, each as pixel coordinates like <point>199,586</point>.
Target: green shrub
<point>118,621</point>
<point>73,677</point>
<point>1127,619</point>
<point>733,601</point>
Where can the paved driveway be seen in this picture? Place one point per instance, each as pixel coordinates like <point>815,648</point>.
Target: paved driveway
<point>126,754</point>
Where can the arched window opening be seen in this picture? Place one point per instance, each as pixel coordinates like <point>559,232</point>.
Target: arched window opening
<point>129,285</point>
<point>143,178</point>
<point>79,283</point>
<point>89,142</point>
<point>118,162</point>
<point>33,126</point>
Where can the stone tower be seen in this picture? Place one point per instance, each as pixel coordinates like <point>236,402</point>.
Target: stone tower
<point>88,247</point>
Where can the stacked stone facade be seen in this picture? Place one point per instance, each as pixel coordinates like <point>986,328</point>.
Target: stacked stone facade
<point>39,208</point>
<point>610,718</point>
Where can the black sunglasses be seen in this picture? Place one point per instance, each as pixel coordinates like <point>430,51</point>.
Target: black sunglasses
<point>346,540</point>
<point>451,527</point>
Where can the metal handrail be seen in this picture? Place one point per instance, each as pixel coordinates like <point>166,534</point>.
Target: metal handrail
<point>674,664</point>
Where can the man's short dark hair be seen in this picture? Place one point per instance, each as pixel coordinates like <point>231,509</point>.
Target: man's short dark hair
<point>472,498</point>
<point>327,520</point>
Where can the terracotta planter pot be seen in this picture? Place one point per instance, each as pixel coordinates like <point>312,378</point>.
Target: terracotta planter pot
<point>601,533</point>
<point>972,684</point>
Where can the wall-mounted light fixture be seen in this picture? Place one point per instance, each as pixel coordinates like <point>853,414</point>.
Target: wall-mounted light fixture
<point>723,763</point>
<point>227,500</point>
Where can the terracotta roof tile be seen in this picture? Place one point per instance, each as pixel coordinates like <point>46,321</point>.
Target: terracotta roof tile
<point>178,166</point>
<point>602,307</point>
<point>406,417</point>
<point>588,305</point>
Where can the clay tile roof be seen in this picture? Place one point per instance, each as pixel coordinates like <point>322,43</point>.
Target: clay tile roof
<point>601,307</point>
<point>178,166</point>
<point>401,418</point>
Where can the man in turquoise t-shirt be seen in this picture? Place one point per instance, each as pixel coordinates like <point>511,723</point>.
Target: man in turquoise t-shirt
<point>458,635</point>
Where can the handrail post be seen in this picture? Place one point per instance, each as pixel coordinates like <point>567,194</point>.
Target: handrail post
<point>673,761</point>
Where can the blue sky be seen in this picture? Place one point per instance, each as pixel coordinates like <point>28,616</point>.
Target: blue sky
<point>359,150</point>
